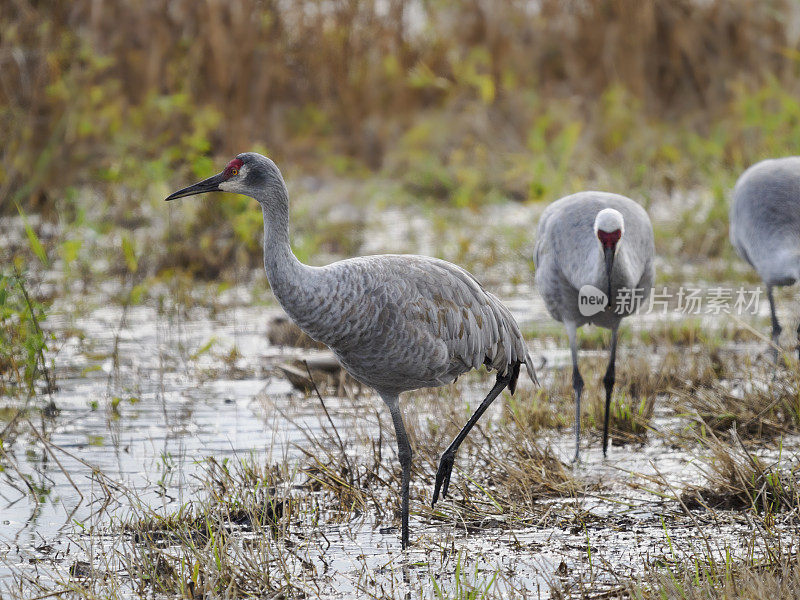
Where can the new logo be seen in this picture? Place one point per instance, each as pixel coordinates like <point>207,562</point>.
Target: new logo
<point>591,300</point>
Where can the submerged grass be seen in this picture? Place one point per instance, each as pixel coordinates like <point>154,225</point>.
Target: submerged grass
<point>737,479</point>
<point>257,529</point>
<point>642,380</point>
<point>501,472</point>
<point>708,578</point>
<point>629,418</point>
<point>232,542</point>
<point>760,402</point>
<point>23,344</point>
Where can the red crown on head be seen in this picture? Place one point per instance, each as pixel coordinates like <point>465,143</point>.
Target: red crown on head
<point>236,163</point>
<point>609,239</point>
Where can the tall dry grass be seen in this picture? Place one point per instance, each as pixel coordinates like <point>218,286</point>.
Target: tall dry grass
<point>84,83</point>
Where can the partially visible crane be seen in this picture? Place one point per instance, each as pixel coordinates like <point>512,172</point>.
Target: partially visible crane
<point>395,322</point>
<point>601,240</point>
<point>765,227</point>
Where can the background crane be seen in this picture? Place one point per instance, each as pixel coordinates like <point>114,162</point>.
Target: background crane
<point>765,226</point>
<point>593,239</point>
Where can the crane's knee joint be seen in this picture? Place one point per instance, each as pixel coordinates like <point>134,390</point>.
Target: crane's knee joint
<point>577,380</point>
<point>609,379</point>
<point>448,459</point>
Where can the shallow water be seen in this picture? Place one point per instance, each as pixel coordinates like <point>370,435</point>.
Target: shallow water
<point>145,394</point>
<point>170,412</point>
<point>143,399</point>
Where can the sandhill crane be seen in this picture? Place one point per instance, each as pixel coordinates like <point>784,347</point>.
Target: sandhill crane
<point>593,239</point>
<point>395,322</point>
<point>765,226</point>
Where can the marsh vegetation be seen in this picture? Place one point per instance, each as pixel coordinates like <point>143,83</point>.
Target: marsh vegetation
<point>158,438</point>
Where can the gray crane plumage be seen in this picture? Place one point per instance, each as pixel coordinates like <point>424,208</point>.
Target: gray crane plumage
<point>395,322</point>
<point>765,226</point>
<point>568,255</point>
<point>403,322</point>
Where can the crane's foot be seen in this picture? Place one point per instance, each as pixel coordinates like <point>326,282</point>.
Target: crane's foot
<point>777,357</point>
<point>443,476</point>
<point>576,460</point>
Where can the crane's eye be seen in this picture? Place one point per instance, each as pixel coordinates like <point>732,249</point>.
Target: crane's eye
<point>232,168</point>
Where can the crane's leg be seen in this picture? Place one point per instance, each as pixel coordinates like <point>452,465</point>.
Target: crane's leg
<point>404,454</point>
<point>608,382</point>
<point>577,386</point>
<point>798,341</point>
<point>776,328</point>
<point>448,458</point>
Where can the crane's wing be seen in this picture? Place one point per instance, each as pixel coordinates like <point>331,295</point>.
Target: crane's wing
<point>540,246</point>
<point>399,322</point>
<point>474,325</point>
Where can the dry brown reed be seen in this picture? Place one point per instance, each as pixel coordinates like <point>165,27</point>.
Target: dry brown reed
<point>311,78</point>
<point>737,479</point>
<point>759,402</point>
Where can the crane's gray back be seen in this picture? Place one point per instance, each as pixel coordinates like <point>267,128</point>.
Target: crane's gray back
<point>765,219</point>
<point>401,322</point>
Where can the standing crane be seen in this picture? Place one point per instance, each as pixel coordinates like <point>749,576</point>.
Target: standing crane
<point>601,240</point>
<point>765,226</point>
<point>395,322</point>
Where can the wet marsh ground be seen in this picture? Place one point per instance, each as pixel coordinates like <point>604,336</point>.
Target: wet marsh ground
<point>154,442</point>
<point>180,461</point>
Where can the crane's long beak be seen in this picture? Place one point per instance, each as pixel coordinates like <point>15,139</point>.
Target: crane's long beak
<point>608,253</point>
<point>207,185</point>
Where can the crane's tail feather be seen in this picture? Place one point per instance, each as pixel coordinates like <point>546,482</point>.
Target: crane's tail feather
<point>513,372</point>
<point>512,383</point>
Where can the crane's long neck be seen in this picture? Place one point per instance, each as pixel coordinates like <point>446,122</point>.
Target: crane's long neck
<point>621,275</point>
<point>291,281</point>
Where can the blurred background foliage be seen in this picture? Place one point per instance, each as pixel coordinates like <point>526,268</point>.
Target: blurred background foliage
<point>464,103</point>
